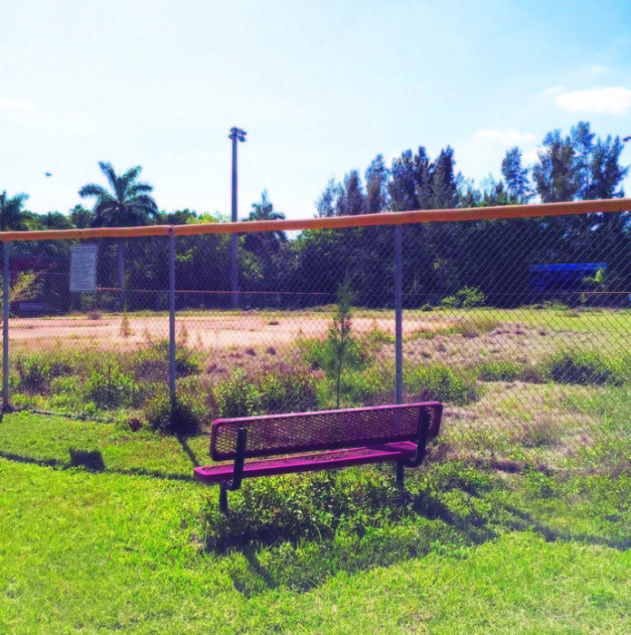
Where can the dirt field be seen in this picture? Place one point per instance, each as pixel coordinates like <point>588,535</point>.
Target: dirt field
<point>218,331</point>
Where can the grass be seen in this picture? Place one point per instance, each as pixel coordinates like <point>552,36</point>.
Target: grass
<point>104,529</point>
<point>520,522</point>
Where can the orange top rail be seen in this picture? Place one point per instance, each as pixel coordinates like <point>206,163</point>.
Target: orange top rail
<point>336,222</point>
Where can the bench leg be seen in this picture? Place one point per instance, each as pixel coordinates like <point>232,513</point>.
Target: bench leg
<point>400,479</point>
<point>223,499</point>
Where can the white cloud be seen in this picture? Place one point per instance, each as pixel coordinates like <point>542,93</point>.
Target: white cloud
<point>554,89</point>
<point>12,104</point>
<point>612,100</point>
<point>505,137</point>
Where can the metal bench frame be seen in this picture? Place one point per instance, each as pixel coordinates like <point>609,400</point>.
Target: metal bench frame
<point>404,449</point>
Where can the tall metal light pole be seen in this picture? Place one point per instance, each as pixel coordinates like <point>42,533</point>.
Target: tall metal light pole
<point>236,134</point>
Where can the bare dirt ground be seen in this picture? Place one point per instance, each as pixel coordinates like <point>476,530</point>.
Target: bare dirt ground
<point>212,331</point>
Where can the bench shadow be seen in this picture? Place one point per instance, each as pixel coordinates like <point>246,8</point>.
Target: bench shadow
<point>290,567</point>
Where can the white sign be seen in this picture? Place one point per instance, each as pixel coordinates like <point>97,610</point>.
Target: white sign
<point>83,268</point>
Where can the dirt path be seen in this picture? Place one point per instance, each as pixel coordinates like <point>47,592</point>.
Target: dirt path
<point>217,331</point>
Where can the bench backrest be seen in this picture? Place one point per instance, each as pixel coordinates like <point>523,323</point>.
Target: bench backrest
<point>323,430</point>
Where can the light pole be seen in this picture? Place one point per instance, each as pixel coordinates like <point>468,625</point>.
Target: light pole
<point>236,134</point>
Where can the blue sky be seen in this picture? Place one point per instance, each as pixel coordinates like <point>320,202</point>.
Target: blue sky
<point>320,87</point>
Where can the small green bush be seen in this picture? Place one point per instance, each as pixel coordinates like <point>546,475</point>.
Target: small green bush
<point>465,298</point>
<point>36,372</point>
<point>181,419</point>
<point>151,363</point>
<point>238,396</point>
<point>110,388</point>
<point>287,390</point>
<point>500,371</point>
<point>269,392</point>
<point>441,383</point>
<point>587,368</point>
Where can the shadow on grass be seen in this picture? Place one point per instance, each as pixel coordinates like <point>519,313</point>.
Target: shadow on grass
<point>92,461</point>
<point>186,448</point>
<point>305,543</point>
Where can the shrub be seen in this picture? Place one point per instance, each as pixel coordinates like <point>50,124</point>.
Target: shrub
<point>465,298</point>
<point>500,371</point>
<point>110,388</point>
<point>468,297</point>
<point>287,390</point>
<point>179,419</point>
<point>441,383</point>
<point>280,390</point>
<point>587,368</point>
<point>36,372</point>
<point>32,377</point>
<point>152,362</point>
<point>237,396</point>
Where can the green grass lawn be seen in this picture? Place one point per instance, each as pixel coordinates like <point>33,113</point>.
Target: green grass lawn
<point>103,529</point>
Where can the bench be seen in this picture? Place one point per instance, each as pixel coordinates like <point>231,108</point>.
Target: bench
<point>322,440</point>
<point>31,308</point>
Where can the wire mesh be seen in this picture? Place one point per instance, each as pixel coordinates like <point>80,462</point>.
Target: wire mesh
<point>515,325</point>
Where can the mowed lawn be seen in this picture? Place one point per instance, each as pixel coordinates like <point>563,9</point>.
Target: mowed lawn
<point>104,530</point>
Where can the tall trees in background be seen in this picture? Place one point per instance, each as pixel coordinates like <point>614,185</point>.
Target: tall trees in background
<point>516,177</point>
<point>577,167</point>
<point>439,258</point>
<point>12,216</point>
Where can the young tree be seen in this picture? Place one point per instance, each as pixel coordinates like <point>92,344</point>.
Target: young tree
<point>339,335</point>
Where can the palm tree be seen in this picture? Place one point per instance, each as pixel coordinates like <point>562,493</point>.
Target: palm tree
<point>129,204</point>
<point>11,214</point>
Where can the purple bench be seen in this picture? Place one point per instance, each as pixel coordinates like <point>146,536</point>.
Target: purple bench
<point>322,440</point>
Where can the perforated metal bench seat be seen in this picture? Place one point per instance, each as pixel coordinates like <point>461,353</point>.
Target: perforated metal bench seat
<point>326,439</point>
<point>310,462</point>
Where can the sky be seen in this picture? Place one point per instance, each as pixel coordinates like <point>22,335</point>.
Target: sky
<point>320,87</point>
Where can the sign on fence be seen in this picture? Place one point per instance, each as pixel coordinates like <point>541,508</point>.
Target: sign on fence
<point>83,268</point>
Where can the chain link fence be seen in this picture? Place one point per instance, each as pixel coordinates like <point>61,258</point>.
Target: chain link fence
<point>520,326</point>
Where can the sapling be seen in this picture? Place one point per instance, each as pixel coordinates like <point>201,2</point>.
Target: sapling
<point>339,334</point>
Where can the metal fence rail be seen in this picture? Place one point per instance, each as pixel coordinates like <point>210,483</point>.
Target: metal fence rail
<point>509,315</point>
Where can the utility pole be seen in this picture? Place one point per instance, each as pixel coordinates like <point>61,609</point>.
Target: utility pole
<point>236,134</point>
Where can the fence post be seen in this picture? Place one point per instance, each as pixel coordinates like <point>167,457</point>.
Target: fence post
<point>5,330</point>
<point>398,312</point>
<point>172,316</point>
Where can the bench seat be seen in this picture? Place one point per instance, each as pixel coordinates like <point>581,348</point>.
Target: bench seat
<point>386,452</point>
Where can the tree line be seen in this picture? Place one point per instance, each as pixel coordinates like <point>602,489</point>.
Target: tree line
<point>439,259</point>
